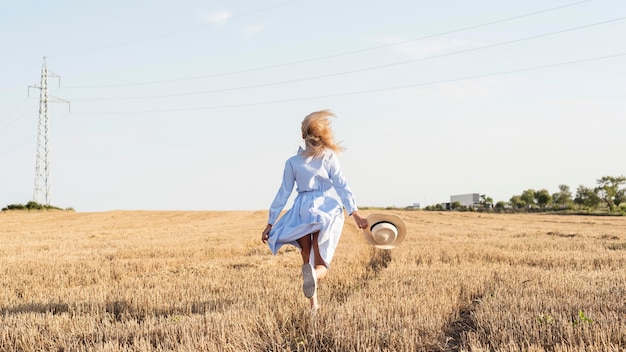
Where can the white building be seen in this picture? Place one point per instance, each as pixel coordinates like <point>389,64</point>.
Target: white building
<point>467,200</point>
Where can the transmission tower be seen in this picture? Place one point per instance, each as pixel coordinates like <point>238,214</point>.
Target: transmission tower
<point>42,165</point>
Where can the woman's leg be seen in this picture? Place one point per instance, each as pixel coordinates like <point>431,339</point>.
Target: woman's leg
<point>305,245</point>
<point>319,265</point>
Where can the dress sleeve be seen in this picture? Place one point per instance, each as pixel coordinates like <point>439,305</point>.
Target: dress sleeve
<point>341,185</point>
<point>283,193</point>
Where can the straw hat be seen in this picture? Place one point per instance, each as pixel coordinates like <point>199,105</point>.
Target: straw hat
<point>385,231</point>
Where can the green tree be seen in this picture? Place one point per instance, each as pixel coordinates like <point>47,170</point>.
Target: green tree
<point>587,197</point>
<point>517,202</point>
<point>528,196</point>
<point>562,198</point>
<point>485,201</point>
<point>500,205</point>
<point>609,191</point>
<point>543,198</point>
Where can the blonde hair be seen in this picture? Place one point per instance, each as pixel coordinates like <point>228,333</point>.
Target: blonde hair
<point>317,133</point>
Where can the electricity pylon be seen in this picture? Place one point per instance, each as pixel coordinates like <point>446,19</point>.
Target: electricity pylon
<point>42,165</point>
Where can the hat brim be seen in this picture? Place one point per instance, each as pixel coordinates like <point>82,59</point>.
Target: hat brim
<point>395,220</point>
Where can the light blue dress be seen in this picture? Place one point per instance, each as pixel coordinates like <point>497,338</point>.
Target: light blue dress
<point>315,208</point>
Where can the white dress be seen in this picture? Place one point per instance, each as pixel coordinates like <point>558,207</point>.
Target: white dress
<point>315,208</point>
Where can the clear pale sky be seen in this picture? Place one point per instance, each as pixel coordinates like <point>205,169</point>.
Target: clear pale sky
<point>195,105</point>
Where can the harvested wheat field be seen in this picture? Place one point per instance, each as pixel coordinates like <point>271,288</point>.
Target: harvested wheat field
<point>203,281</point>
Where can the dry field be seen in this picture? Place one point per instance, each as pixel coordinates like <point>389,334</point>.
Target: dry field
<point>203,281</point>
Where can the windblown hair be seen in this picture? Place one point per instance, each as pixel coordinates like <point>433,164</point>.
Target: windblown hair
<point>317,133</point>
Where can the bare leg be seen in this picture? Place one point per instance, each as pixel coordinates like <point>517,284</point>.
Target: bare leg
<point>319,265</point>
<point>305,244</point>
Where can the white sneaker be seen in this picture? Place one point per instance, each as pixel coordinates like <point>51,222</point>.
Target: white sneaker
<point>310,281</point>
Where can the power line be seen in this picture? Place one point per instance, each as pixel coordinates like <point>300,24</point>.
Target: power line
<point>361,69</point>
<point>14,110</point>
<point>12,83</point>
<point>462,29</point>
<point>19,117</point>
<point>19,145</point>
<point>525,69</point>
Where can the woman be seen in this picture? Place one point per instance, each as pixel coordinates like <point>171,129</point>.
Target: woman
<point>315,221</point>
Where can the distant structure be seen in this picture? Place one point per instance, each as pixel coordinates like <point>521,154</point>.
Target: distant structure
<point>42,165</point>
<point>466,200</point>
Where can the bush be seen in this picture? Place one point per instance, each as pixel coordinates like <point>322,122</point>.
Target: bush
<point>622,209</point>
<point>32,205</point>
<point>14,207</point>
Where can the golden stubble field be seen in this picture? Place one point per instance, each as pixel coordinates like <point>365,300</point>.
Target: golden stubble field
<point>203,281</point>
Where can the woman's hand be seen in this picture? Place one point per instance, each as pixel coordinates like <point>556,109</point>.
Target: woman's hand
<point>361,222</point>
<point>266,233</point>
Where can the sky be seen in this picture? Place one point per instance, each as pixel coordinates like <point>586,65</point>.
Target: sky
<point>196,105</point>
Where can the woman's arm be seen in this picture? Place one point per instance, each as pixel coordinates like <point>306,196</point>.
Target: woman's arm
<point>341,185</point>
<point>360,221</point>
<point>286,187</point>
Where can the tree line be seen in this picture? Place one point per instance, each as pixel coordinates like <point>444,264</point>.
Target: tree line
<point>608,194</point>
